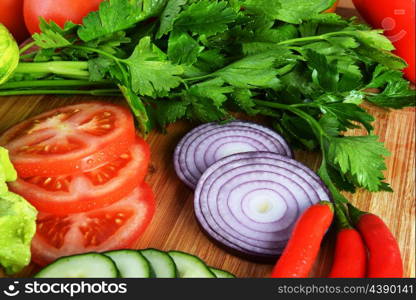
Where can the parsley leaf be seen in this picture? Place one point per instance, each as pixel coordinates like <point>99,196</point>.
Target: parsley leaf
<point>206,17</point>
<point>183,49</point>
<point>251,71</point>
<point>99,67</point>
<point>324,73</point>
<point>395,95</point>
<point>151,73</point>
<point>243,98</point>
<point>53,36</point>
<point>137,108</point>
<point>169,111</point>
<point>295,11</point>
<point>396,91</point>
<point>116,15</point>
<point>213,89</point>
<point>360,156</point>
<point>347,112</point>
<point>169,15</point>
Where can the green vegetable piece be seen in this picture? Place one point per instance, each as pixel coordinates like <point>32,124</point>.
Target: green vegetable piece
<point>221,273</point>
<point>6,165</point>
<point>9,54</point>
<point>7,171</point>
<point>17,227</point>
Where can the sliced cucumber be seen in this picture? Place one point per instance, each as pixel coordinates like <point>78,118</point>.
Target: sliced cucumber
<point>89,265</point>
<point>130,263</point>
<point>190,266</point>
<point>221,273</point>
<point>161,264</point>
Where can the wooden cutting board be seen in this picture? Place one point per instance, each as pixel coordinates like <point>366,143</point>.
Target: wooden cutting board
<point>174,225</point>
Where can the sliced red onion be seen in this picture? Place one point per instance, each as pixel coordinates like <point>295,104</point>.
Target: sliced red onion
<point>250,201</point>
<point>210,142</point>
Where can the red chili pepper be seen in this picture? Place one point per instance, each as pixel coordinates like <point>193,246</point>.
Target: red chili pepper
<point>300,253</point>
<point>384,253</point>
<point>350,253</point>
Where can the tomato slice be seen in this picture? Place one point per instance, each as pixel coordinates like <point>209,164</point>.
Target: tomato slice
<point>93,189</point>
<point>69,139</point>
<point>114,227</point>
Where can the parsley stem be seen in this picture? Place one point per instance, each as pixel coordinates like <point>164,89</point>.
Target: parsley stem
<point>27,47</point>
<point>63,68</point>
<point>316,127</point>
<point>199,77</point>
<point>117,60</point>
<point>316,37</point>
<point>104,53</point>
<point>30,84</point>
<point>27,56</point>
<point>98,92</point>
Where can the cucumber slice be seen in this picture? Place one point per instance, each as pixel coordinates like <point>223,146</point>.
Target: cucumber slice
<point>221,273</point>
<point>89,265</point>
<point>130,263</point>
<point>190,266</point>
<point>161,264</point>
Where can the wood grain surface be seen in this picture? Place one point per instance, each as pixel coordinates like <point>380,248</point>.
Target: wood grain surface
<point>174,225</point>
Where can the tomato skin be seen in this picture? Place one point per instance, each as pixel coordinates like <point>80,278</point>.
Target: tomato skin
<point>78,137</point>
<point>397,18</point>
<point>50,10</point>
<point>11,15</point>
<point>72,238</point>
<point>90,190</point>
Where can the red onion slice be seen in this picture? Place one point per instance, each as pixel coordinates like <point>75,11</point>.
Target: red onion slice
<point>210,142</point>
<point>250,201</point>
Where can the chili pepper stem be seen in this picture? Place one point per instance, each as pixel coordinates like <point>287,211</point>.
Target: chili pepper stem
<point>354,213</point>
<point>341,218</point>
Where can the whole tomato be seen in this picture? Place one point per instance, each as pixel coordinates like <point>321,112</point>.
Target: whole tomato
<point>58,11</point>
<point>11,15</point>
<point>397,18</point>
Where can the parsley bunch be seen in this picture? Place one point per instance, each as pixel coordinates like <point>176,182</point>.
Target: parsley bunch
<point>205,59</point>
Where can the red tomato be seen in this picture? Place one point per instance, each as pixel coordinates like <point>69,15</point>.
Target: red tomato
<point>90,190</point>
<point>11,15</point>
<point>58,11</point>
<point>397,18</point>
<point>69,139</point>
<point>114,227</point>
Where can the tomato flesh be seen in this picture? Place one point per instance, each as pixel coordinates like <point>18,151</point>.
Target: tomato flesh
<point>93,189</point>
<point>70,139</point>
<point>58,11</point>
<point>114,227</point>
